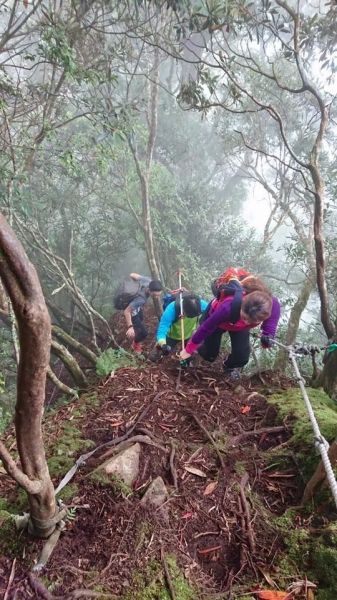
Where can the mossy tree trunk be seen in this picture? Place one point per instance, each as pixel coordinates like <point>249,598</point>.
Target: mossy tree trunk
<point>70,363</point>
<point>328,377</point>
<point>23,287</point>
<point>70,341</point>
<point>294,321</point>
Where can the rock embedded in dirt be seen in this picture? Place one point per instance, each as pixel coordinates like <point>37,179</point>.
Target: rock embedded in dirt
<point>124,465</point>
<point>156,494</point>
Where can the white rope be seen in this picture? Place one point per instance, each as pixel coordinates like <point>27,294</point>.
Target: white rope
<point>320,442</point>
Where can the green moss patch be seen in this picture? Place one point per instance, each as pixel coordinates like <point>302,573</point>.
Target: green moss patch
<point>117,484</point>
<point>307,554</point>
<point>150,584</point>
<point>291,406</point>
<point>11,543</point>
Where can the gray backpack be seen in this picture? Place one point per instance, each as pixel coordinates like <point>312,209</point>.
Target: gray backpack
<point>127,291</point>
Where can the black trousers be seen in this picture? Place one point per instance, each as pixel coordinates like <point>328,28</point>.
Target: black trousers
<point>139,327</point>
<point>240,348</point>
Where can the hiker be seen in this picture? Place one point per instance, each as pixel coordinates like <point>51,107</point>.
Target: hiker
<point>130,297</point>
<point>242,302</point>
<point>170,329</point>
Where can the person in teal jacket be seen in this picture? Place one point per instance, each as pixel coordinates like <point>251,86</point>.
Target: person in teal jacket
<point>169,329</point>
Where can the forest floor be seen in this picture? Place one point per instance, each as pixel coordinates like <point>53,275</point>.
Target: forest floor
<point>218,535</point>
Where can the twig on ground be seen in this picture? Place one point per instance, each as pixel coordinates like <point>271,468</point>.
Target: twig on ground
<point>246,511</point>
<point>10,580</point>
<point>172,467</point>
<point>209,437</point>
<point>144,439</point>
<point>149,433</point>
<point>168,576</point>
<point>178,379</point>
<point>237,438</point>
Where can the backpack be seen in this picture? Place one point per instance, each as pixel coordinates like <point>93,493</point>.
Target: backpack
<point>127,291</point>
<point>228,284</point>
<point>175,297</point>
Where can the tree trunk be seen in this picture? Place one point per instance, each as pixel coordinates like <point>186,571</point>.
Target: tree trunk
<point>70,363</point>
<point>294,321</point>
<point>319,476</point>
<point>70,341</point>
<point>320,250</point>
<point>328,377</point>
<point>23,287</point>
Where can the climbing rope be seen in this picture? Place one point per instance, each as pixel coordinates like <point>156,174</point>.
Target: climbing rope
<point>320,442</point>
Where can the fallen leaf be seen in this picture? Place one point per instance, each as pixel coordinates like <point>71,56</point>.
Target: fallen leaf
<point>187,515</point>
<point>116,423</point>
<point>273,595</point>
<point>209,489</point>
<point>195,471</point>
<point>244,409</point>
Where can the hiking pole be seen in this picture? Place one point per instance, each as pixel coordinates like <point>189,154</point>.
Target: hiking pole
<point>183,363</point>
<point>181,316</point>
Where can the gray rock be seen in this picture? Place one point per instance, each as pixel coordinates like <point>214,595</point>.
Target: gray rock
<point>124,465</point>
<point>156,494</point>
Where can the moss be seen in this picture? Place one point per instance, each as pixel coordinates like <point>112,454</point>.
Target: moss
<point>150,584</point>
<point>182,587</point>
<point>69,443</point>
<point>290,403</point>
<point>117,484</point>
<point>5,505</point>
<point>323,560</point>
<point>307,554</point>
<point>143,535</point>
<point>240,468</point>
<point>68,492</point>
<point>11,543</point>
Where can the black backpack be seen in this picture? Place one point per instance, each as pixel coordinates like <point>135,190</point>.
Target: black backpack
<point>127,291</point>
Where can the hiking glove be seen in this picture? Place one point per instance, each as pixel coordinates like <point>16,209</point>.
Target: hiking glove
<point>165,349</point>
<point>266,341</point>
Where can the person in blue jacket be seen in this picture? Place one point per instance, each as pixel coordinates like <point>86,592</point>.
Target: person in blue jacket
<point>169,330</point>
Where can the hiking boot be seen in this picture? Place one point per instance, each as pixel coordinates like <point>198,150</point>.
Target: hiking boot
<point>137,347</point>
<point>233,374</point>
<point>155,355</point>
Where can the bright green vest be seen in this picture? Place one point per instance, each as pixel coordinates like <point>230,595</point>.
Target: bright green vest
<point>190,325</point>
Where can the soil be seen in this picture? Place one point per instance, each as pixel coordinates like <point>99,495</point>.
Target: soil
<point>217,542</point>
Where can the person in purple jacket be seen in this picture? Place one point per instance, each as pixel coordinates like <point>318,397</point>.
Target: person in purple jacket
<point>256,307</point>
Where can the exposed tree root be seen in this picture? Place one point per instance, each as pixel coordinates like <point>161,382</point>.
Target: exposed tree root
<point>172,467</point>
<point>246,511</point>
<point>238,438</point>
<point>319,475</point>
<point>39,588</point>
<point>209,437</point>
